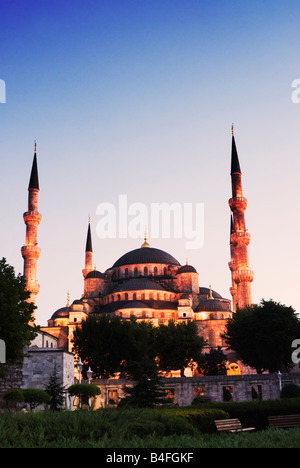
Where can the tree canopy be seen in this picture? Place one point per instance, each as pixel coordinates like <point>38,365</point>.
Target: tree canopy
<point>15,314</point>
<point>179,346</point>
<point>262,335</point>
<point>111,345</point>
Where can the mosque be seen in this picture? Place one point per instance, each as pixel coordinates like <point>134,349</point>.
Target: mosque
<point>149,283</point>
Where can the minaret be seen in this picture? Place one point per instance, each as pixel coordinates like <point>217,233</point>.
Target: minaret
<point>32,218</point>
<point>242,275</point>
<point>231,264</point>
<point>88,253</point>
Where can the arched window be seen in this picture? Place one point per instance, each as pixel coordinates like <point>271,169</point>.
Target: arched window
<point>126,296</point>
<point>155,271</point>
<point>134,296</point>
<point>126,272</point>
<point>165,271</point>
<point>119,297</point>
<point>145,271</point>
<point>136,272</point>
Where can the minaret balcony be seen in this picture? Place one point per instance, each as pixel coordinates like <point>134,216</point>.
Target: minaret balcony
<point>240,237</point>
<point>238,203</point>
<point>31,251</point>
<point>232,265</point>
<point>32,217</point>
<point>243,276</point>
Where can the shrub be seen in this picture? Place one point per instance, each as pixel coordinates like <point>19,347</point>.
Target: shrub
<point>84,391</point>
<point>290,391</point>
<point>14,395</point>
<point>255,413</point>
<point>35,397</point>
<point>201,419</point>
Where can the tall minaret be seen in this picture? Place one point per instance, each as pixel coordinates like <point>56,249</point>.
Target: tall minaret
<point>88,253</point>
<point>242,275</point>
<point>32,218</point>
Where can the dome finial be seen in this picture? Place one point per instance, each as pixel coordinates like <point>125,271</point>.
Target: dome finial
<point>232,130</point>
<point>145,244</point>
<point>68,299</point>
<point>210,293</point>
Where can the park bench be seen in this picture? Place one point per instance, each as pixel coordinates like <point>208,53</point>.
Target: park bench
<point>231,425</point>
<point>286,420</point>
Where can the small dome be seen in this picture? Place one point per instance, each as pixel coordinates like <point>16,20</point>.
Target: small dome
<point>94,274</point>
<point>186,269</point>
<point>77,301</point>
<point>206,292</point>
<point>61,313</point>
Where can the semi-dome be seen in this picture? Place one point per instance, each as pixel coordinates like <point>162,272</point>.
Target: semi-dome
<point>146,255</point>
<point>213,305</point>
<point>137,284</point>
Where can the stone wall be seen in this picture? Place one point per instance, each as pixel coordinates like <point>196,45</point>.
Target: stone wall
<point>12,380</point>
<point>216,388</point>
<point>40,364</point>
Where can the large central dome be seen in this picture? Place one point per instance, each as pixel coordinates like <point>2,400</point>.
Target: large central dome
<point>148,255</point>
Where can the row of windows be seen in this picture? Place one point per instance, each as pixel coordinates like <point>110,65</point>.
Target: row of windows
<point>140,296</point>
<point>148,314</point>
<point>136,272</point>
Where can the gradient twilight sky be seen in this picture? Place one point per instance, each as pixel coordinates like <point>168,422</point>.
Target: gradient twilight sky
<point>137,97</point>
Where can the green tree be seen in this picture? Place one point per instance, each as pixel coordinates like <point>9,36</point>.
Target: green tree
<point>55,391</point>
<point>262,335</point>
<point>140,365</point>
<point>100,342</point>
<point>84,392</point>
<point>15,314</point>
<point>179,346</point>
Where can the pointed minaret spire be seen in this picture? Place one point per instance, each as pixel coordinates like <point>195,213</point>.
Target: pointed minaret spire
<point>32,218</point>
<point>235,164</point>
<point>89,247</point>
<point>34,178</point>
<point>88,252</point>
<point>242,275</point>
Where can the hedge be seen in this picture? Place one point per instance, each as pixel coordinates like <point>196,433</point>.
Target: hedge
<point>255,413</point>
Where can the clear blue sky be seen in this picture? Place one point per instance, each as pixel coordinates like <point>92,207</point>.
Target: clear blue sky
<point>137,97</point>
